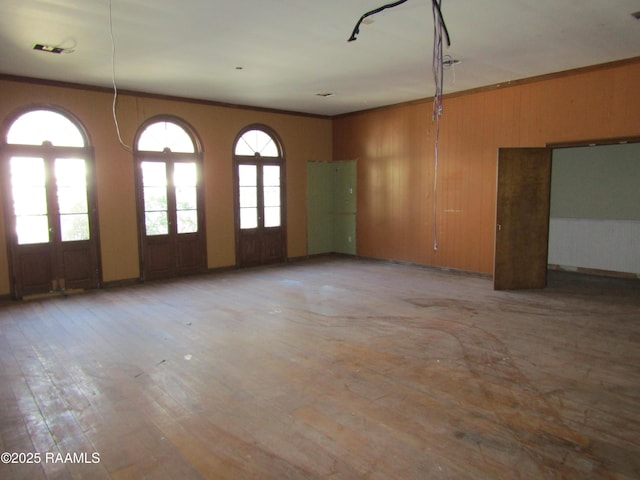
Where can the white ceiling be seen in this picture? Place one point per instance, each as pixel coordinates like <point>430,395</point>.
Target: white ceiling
<point>291,50</point>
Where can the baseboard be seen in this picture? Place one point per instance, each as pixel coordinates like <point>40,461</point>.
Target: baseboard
<point>437,268</point>
<point>126,282</point>
<point>594,271</point>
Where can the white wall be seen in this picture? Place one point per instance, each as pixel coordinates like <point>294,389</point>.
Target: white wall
<point>595,208</point>
<point>610,245</point>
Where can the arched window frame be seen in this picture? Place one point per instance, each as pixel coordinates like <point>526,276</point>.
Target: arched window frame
<point>259,239</point>
<point>268,131</point>
<point>15,116</point>
<point>197,142</point>
<point>66,251</point>
<point>147,240</point>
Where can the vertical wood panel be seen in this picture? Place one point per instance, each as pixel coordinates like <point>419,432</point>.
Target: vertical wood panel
<point>396,159</point>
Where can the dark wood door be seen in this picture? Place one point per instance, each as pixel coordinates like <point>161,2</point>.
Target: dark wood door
<point>171,217</point>
<point>522,218</point>
<point>260,231</point>
<point>53,219</point>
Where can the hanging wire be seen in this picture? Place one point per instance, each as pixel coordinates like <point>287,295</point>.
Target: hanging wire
<point>356,29</point>
<point>439,28</point>
<point>113,81</point>
<point>440,33</point>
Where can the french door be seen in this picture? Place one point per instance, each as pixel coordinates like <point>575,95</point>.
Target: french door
<point>261,234</point>
<point>53,220</point>
<point>170,199</point>
<point>260,198</point>
<point>50,206</point>
<point>172,223</point>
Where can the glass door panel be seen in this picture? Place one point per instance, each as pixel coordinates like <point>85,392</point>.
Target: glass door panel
<point>271,195</point>
<point>154,185</point>
<point>248,190</point>
<point>73,207</point>
<point>185,179</point>
<point>28,185</point>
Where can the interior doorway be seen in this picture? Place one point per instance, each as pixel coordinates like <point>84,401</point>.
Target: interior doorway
<point>595,209</point>
<point>523,213</point>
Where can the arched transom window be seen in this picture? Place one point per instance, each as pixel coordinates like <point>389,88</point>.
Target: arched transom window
<point>166,135</point>
<point>257,143</point>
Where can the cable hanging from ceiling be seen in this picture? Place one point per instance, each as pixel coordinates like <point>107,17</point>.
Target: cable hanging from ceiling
<point>113,81</point>
<point>440,34</point>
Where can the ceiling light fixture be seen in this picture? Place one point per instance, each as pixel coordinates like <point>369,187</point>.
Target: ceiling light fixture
<point>325,94</point>
<point>636,15</point>
<point>51,49</point>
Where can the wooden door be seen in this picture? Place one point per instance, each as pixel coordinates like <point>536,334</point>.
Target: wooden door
<point>522,218</point>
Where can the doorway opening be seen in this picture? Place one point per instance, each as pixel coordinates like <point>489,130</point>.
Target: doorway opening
<point>523,219</point>
<point>594,215</point>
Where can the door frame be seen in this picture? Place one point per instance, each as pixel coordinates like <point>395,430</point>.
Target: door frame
<point>170,158</point>
<point>260,161</point>
<point>576,143</point>
<point>57,248</point>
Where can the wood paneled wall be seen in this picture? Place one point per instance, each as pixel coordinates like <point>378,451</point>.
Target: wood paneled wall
<point>305,138</point>
<point>396,161</point>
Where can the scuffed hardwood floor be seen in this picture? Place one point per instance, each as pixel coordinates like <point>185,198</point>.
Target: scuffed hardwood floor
<point>325,369</point>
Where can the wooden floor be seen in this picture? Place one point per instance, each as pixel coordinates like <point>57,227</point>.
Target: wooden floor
<point>325,369</point>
